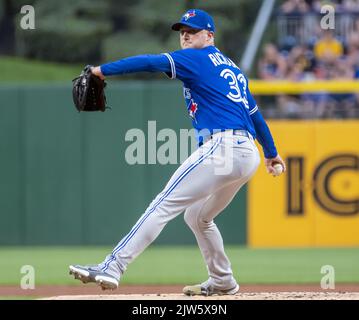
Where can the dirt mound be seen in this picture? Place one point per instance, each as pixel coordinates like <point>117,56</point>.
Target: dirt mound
<point>174,292</point>
<point>240,296</point>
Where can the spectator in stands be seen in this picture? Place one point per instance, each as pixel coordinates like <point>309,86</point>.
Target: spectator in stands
<point>300,68</point>
<point>343,70</point>
<point>296,72</point>
<point>327,47</point>
<point>343,104</point>
<point>272,65</point>
<point>351,5</point>
<point>352,51</point>
<point>353,36</point>
<point>295,6</point>
<point>317,5</point>
<point>316,54</point>
<point>304,57</point>
<point>289,107</point>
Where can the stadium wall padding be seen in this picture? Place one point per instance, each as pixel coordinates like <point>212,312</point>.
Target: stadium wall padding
<point>316,202</point>
<point>64,176</point>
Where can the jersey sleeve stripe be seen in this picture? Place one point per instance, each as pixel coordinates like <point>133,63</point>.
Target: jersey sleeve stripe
<point>253,110</point>
<point>172,63</point>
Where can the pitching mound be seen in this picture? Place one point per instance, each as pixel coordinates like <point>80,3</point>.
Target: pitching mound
<point>241,296</point>
<point>174,292</point>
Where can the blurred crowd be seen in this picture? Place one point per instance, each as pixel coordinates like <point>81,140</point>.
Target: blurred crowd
<point>321,54</point>
<point>305,6</point>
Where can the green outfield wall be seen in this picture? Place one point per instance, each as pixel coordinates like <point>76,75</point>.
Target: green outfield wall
<point>64,176</point>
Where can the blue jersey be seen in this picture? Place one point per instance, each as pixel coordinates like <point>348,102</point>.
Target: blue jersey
<point>215,89</point>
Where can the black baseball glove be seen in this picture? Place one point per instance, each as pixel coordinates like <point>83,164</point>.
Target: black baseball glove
<point>88,91</point>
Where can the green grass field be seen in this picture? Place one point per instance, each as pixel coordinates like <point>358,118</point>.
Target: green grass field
<point>178,265</point>
<point>20,70</point>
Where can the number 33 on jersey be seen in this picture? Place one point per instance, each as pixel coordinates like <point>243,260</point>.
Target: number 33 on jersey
<point>229,104</point>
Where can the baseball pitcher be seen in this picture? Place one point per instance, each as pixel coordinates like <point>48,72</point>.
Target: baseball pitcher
<point>227,121</point>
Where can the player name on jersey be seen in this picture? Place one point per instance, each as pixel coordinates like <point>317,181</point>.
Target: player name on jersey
<point>218,59</point>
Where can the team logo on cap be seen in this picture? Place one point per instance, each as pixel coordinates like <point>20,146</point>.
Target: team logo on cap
<point>189,14</point>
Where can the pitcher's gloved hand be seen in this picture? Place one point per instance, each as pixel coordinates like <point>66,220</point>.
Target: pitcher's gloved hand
<point>88,91</point>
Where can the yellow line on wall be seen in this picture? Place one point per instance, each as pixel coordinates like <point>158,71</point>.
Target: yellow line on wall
<point>283,86</point>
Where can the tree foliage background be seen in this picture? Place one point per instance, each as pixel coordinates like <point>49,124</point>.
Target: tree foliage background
<point>94,31</point>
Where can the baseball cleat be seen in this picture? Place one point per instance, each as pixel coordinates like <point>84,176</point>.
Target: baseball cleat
<point>208,290</point>
<point>94,274</point>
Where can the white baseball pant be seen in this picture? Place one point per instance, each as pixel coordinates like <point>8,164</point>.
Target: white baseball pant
<point>202,187</point>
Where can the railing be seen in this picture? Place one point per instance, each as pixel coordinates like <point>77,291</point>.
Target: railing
<point>290,87</point>
<point>284,99</point>
<point>302,28</point>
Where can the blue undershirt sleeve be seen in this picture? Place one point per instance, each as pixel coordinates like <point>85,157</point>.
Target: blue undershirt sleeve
<point>264,136</point>
<point>148,62</point>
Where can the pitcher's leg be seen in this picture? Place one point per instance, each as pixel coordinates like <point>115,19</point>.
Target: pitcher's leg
<point>199,218</point>
<point>192,181</point>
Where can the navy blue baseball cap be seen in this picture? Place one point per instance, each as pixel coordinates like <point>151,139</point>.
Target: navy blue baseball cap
<point>196,19</point>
